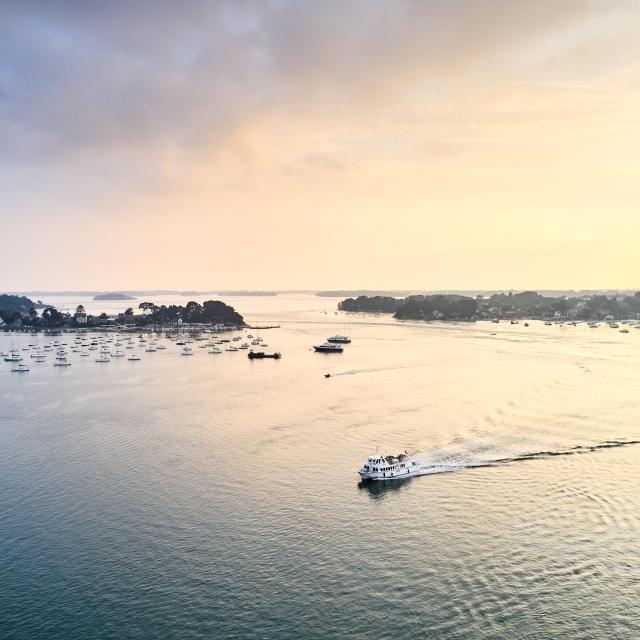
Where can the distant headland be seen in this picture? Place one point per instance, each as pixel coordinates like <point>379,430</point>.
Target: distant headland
<point>146,293</point>
<point>113,296</point>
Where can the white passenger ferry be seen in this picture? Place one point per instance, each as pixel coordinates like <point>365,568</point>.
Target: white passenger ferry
<point>378,467</point>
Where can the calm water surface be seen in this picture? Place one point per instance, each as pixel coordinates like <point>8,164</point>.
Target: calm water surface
<point>214,497</point>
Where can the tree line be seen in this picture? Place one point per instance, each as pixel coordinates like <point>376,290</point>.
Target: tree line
<point>417,307</point>
<point>209,312</point>
<point>525,304</point>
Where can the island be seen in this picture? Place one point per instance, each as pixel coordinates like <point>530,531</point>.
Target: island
<point>526,304</point>
<point>20,313</point>
<point>113,296</point>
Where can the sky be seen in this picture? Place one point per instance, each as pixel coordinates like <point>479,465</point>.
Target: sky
<point>427,144</point>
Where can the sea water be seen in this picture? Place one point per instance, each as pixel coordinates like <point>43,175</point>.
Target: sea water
<point>217,497</point>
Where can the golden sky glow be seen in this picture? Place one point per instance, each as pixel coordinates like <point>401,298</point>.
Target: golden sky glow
<point>389,144</point>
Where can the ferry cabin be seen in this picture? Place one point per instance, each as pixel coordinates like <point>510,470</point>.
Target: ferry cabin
<point>379,467</point>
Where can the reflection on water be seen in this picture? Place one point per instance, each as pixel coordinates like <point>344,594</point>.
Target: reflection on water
<point>213,497</point>
<point>377,488</point>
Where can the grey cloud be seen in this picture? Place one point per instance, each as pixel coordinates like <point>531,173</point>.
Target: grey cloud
<point>80,75</point>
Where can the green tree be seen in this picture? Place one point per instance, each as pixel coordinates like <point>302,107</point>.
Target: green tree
<point>52,317</point>
<point>147,307</point>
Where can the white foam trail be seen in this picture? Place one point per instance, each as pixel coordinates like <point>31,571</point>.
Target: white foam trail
<point>473,454</point>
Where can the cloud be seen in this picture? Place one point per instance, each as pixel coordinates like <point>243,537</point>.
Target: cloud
<point>77,77</point>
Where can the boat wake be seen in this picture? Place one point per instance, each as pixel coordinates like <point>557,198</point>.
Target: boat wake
<point>352,372</point>
<point>448,461</point>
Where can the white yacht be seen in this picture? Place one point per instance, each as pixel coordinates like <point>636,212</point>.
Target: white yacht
<point>14,356</point>
<point>187,351</point>
<point>20,368</point>
<point>378,467</point>
<point>103,357</point>
<point>61,361</point>
<point>339,339</point>
<point>133,357</point>
<point>328,347</point>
